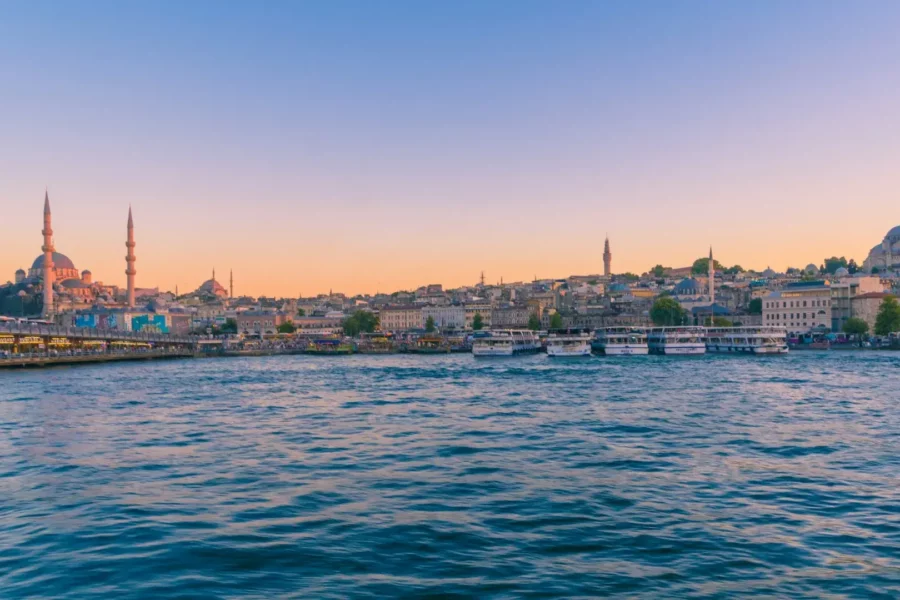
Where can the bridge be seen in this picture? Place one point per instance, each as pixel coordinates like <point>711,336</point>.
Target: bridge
<point>35,340</point>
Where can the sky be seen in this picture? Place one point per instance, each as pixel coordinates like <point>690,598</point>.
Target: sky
<point>375,146</point>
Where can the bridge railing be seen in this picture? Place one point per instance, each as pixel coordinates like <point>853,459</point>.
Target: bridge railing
<point>38,329</point>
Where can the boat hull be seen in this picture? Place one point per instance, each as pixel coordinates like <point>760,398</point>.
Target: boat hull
<point>562,352</point>
<point>680,350</point>
<point>626,350</point>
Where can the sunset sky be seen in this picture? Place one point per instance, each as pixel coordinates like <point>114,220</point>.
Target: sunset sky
<point>367,146</point>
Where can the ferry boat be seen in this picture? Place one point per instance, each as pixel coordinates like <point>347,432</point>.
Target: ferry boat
<point>375,343</point>
<point>621,341</point>
<point>329,346</point>
<point>569,342</point>
<point>677,340</point>
<point>747,340</point>
<point>506,343</point>
<point>430,344</point>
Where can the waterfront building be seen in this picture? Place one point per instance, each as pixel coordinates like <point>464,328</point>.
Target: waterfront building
<point>253,322</point>
<point>799,307</point>
<point>844,291</point>
<point>401,318</point>
<point>445,317</point>
<point>480,308</point>
<point>885,256</point>
<point>511,317</point>
<point>865,306</point>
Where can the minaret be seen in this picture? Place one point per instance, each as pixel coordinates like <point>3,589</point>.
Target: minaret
<point>231,283</point>
<point>129,260</point>
<point>48,258</point>
<point>712,278</point>
<point>607,258</point>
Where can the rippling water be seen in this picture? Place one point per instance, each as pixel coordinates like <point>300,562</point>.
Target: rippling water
<point>386,476</point>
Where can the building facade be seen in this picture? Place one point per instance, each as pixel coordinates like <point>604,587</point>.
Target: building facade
<point>401,318</point>
<point>799,307</point>
<point>445,317</point>
<point>842,294</point>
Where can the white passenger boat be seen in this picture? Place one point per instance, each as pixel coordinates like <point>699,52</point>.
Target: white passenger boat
<point>621,341</point>
<point>506,343</point>
<point>677,340</point>
<point>747,340</point>
<point>569,342</point>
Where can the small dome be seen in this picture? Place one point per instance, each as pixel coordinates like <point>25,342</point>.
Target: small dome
<point>20,271</point>
<point>60,261</point>
<point>894,233</point>
<point>769,272</point>
<point>86,272</point>
<point>841,272</point>
<point>811,268</point>
<point>687,287</point>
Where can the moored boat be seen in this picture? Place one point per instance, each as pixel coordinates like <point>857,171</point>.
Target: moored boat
<point>329,346</point>
<point>564,343</point>
<point>747,340</point>
<point>677,341</point>
<point>621,341</point>
<point>506,343</point>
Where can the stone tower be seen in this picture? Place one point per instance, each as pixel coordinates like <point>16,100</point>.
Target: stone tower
<point>129,260</point>
<point>712,278</point>
<point>607,258</point>
<point>48,259</point>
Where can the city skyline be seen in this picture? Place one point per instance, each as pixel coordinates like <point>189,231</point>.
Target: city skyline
<point>362,149</point>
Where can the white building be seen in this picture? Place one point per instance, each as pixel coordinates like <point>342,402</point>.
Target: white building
<point>401,318</point>
<point>445,317</point>
<point>799,307</point>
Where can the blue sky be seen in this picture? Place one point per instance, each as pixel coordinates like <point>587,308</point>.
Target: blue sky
<point>363,146</point>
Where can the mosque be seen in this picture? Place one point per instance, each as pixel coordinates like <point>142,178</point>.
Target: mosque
<point>886,255</point>
<point>62,286</point>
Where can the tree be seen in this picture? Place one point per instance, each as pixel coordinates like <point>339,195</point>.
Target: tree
<point>286,327</point>
<point>888,318</point>
<point>556,321</point>
<point>852,267</point>
<point>732,270</point>
<point>667,311</point>
<point>301,312</point>
<point>230,326</point>
<point>534,323</point>
<point>755,306</point>
<point>659,271</point>
<point>701,266</point>
<point>359,322</point>
<point>477,322</point>
<point>429,324</point>
<point>856,326</point>
<point>833,264</point>
<point>721,322</point>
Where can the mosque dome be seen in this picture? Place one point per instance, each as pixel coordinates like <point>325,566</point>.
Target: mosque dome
<point>894,234</point>
<point>769,272</point>
<point>86,272</point>
<point>841,272</point>
<point>811,269</point>
<point>60,261</point>
<point>20,271</point>
<point>687,287</point>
